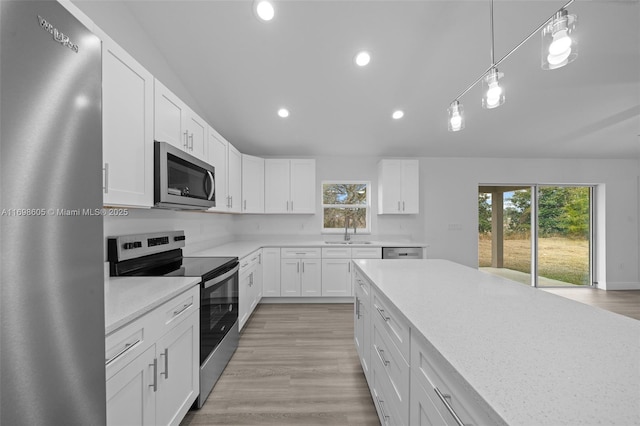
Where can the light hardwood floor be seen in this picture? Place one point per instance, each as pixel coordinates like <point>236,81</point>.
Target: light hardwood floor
<point>623,302</point>
<point>296,364</point>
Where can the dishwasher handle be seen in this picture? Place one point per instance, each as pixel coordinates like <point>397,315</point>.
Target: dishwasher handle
<point>402,253</point>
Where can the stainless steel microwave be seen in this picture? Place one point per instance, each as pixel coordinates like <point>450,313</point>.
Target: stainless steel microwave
<point>181,181</point>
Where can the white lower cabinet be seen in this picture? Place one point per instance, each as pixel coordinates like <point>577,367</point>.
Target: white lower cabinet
<point>300,272</point>
<point>152,364</point>
<point>250,285</point>
<point>271,272</point>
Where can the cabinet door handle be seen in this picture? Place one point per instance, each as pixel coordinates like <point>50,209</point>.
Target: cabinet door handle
<point>291,205</point>
<point>166,363</point>
<point>287,206</point>
<point>403,206</point>
<point>121,352</point>
<point>298,268</point>
<point>155,375</point>
<point>444,398</point>
<point>186,139</point>
<point>382,358</point>
<point>357,308</point>
<point>384,414</point>
<point>191,139</point>
<point>106,178</point>
<point>303,267</point>
<point>245,204</point>
<point>381,312</point>
<point>398,205</point>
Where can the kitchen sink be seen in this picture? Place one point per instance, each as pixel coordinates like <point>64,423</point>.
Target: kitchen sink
<point>347,242</point>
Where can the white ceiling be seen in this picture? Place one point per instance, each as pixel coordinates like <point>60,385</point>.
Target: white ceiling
<point>424,53</point>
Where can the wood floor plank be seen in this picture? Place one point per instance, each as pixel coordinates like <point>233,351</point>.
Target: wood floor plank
<point>296,364</point>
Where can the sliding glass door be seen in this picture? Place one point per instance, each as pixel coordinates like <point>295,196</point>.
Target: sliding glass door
<point>540,235</point>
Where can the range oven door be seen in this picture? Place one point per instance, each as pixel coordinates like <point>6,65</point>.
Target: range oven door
<point>218,310</point>
<point>181,180</point>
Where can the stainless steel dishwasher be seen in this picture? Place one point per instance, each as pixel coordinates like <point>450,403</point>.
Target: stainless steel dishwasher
<point>402,252</point>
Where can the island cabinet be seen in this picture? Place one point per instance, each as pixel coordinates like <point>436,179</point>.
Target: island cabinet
<point>362,322</point>
<point>127,130</point>
<point>398,186</point>
<point>300,272</point>
<point>250,285</point>
<point>152,364</point>
<point>290,186</point>
<point>177,124</point>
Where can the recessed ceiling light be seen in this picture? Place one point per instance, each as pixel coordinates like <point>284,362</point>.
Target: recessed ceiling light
<point>283,112</point>
<point>264,9</point>
<point>397,114</point>
<point>363,58</point>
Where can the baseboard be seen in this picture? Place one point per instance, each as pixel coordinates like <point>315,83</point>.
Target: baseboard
<point>619,285</point>
<point>306,300</point>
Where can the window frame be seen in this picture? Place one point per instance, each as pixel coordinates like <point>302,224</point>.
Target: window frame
<point>366,206</point>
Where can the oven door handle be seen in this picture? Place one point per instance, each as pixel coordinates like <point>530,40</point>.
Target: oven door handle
<point>222,277</point>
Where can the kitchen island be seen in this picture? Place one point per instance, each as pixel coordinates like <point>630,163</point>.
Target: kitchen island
<point>522,355</point>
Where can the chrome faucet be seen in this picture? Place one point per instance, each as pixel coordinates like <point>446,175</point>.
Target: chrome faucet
<point>347,237</point>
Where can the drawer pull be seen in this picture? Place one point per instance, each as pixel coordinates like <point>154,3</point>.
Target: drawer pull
<point>165,354</point>
<point>381,355</point>
<point>357,308</point>
<point>121,352</point>
<point>181,310</point>
<point>381,312</point>
<point>444,398</point>
<point>384,414</point>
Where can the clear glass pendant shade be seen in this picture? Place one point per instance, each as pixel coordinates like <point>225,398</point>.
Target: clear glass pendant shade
<point>559,44</point>
<point>456,117</point>
<point>492,93</point>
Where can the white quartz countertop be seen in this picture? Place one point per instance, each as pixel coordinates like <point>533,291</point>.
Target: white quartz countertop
<point>244,248</point>
<point>535,357</point>
<point>127,298</point>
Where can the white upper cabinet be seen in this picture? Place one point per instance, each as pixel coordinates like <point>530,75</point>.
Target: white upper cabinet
<point>227,162</point>
<point>398,187</point>
<point>218,153</point>
<point>252,184</point>
<point>235,180</point>
<point>127,128</point>
<point>177,124</point>
<point>290,186</point>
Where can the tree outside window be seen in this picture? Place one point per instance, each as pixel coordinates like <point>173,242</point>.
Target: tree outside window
<point>342,201</point>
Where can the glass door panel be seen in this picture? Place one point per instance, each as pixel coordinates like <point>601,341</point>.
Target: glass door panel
<point>564,236</point>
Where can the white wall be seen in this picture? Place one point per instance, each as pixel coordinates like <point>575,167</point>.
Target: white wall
<point>449,188</point>
<point>406,227</point>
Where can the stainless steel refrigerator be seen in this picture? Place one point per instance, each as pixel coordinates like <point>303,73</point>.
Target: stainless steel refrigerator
<point>52,292</point>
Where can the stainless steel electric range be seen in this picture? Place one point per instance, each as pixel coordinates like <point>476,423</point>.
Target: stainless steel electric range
<point>160,254</point>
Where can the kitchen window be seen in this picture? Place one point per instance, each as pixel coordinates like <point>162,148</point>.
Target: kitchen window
<point>346,203</point>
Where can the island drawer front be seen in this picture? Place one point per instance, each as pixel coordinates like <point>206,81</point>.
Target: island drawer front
<point>394,365</point>
<point>336,253</point>
<point>389,319</point>
<point>433,373</point>
<point>301,253</point>
<point>389,412</point>
<point>364,285</point>
<point>424,408</point>
<point>366,252</point>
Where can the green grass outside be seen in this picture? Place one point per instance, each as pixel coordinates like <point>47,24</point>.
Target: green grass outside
<point>561,259</point>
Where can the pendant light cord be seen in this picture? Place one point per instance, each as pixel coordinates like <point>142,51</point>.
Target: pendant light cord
<point>493,60</point>
<point>495,64</point>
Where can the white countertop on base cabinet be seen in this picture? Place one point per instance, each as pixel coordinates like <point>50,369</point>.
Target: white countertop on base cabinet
<point>536,358</point>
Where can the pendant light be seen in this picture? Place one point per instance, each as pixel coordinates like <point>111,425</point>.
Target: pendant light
<point>492,92</point>
<point>559,47</point>
<point>456,116</point>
